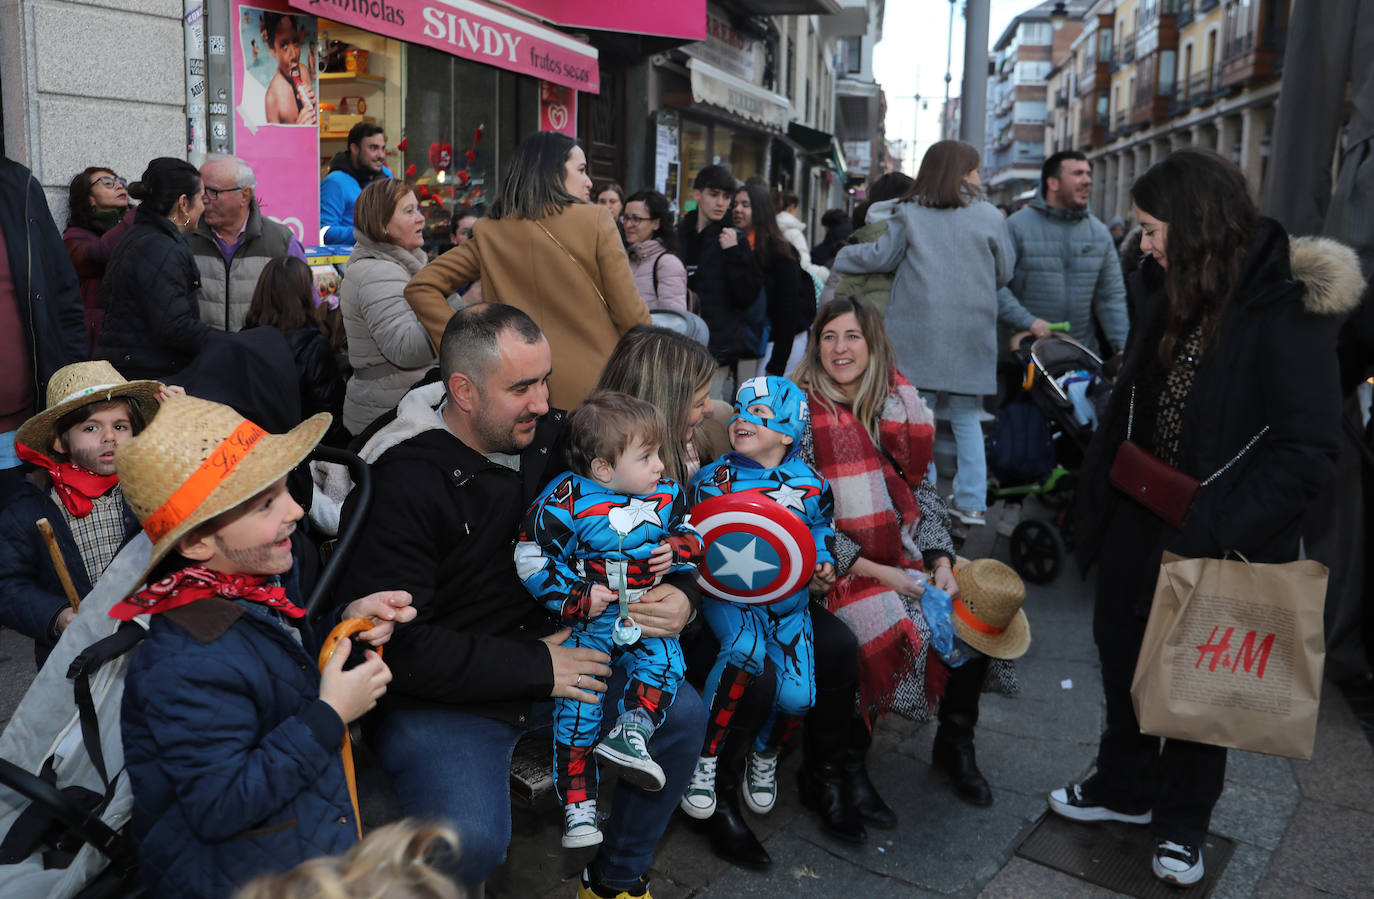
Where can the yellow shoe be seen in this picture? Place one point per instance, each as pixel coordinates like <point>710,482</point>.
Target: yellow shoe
<point>588,889</point>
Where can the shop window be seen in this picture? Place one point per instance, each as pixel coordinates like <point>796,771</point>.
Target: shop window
<point>693,154</point>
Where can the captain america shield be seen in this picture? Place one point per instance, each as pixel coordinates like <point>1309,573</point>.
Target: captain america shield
<point>757,551</point>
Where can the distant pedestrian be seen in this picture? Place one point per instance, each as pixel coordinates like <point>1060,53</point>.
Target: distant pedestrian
<point>353,168</point>
<point>782,275</point>
<point>792,228</point>
<point>837,230</point>
<point>649,230</point>
<point>98,217</point>
<point>1067,269</point>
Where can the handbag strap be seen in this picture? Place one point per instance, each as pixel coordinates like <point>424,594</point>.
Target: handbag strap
<point>590,279</point>
<point>1130,421</point>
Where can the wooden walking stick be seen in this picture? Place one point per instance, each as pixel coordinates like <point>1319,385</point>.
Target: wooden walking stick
<point>63,575</point>
<point>347,628</point>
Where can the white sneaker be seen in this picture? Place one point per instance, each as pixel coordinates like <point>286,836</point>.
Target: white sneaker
<point>580,825</point>
<point>700,799</point>
<point>1010,518</point>
<point>968,517</point>
<point>760,784</point>
<point>1070,803</point>
<point>1178,863</point>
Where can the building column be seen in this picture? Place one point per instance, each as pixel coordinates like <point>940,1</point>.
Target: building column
<point>1229,136</point>
<point>1105,196</point>
<point>1179,137</point>
<point>1199,139</point>
<point>1125,174</point>
<point>1253,130</point>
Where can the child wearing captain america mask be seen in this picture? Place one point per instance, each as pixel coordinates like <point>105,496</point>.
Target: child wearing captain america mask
<point>596,540</point>
<point>766,435</point>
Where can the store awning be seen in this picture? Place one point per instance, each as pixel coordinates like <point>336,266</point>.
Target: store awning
<point>680,18</point>
<point>817,143</point>
<point>719,88</point>
<point>475,31</point>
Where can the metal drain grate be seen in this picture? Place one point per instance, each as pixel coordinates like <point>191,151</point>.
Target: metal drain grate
<point>1116,856</point>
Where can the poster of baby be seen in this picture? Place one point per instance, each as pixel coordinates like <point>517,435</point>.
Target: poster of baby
<point>279,53</point>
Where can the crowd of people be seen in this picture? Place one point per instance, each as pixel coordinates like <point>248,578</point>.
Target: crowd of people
<point>541,408</point>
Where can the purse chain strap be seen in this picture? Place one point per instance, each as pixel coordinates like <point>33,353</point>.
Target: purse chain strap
<point>590,279</point>
<point>1130,422</point>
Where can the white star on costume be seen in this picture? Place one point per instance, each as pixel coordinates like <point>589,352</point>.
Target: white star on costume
<point>626,518</point>
<point>788,496</point>
<point>743,563</point>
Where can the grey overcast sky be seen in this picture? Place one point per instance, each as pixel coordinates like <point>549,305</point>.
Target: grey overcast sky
<point>910,60</point>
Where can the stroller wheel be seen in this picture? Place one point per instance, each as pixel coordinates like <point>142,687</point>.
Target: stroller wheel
<point>1037,551</point>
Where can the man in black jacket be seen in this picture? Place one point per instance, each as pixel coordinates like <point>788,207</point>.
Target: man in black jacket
<point>477,668</point>
<point>41,326</point>
<point>722,271</point>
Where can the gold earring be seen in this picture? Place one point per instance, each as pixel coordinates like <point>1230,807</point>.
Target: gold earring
<point>186,221</point>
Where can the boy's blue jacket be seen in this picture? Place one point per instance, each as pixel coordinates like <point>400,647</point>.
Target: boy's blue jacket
<point>30,592</point>
<point>233,757</point>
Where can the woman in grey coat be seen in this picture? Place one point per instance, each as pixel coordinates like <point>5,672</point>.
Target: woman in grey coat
<point>950,251</point>
<point>388,348</point>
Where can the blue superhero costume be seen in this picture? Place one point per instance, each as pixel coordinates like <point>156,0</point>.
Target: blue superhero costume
<point>782,630</point>
<point>579,533</point>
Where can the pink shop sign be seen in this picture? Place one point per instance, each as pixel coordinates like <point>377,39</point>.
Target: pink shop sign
<point>475,31</point>
<point>679,18</point>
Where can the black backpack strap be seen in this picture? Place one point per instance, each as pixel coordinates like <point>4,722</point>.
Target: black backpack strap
<point>655,272</point>
<point>80,672</point>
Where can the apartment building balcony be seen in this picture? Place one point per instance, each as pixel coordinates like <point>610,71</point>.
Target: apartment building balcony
<point>1245,60</point>
<point>1128,49</point>
<point>1185,13</point>
<point>1207,5</point>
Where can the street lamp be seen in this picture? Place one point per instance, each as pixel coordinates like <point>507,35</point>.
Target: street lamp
<point>1059,15</point>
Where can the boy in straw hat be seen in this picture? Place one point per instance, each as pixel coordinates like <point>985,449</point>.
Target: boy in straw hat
<point>231,734</point>
<point>91,410</point>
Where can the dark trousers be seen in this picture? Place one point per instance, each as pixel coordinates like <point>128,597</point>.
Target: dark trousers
<point>1179,780</point>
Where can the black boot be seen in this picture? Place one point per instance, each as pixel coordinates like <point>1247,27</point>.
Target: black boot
<point>731,838</point>
<point>953,748</point>
<point>821,781</point>
<point>869,805</point>
<point>824,790</point>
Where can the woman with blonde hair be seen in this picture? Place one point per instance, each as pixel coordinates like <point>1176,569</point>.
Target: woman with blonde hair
<point>951,254</point>
<point>387,346</point>
<point>545,248</point>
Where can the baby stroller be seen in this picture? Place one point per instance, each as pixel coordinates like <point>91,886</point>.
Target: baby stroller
<point>1038,444</point>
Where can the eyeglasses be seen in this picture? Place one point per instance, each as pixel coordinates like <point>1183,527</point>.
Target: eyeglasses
<point>465,233</point>
<point>108,181</point>
<point>635,218</point>
<point>214,193</point>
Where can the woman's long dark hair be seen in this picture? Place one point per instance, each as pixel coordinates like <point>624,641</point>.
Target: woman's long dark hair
<point>768,239</point>
<point>1204,200</point>
<point>284,297</point>
<point>534,185</point>
<point>79,211</point>
<point>656,204</point>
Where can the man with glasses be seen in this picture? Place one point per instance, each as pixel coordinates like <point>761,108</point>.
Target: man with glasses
<point>234,241</point>
<point>350,171</point>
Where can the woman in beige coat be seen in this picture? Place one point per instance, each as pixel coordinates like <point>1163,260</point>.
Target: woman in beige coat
<point>387,345</point>
<point>544,248</point>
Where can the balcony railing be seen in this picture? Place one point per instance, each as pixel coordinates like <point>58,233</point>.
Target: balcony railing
<point>1185,13</point>
<point>1128,50</point>
<point>1208,5</point>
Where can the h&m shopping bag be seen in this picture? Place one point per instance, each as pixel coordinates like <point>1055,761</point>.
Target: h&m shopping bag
<point>1233,655</point>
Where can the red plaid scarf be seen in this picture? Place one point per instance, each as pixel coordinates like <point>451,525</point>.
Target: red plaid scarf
<point>870,493</point>
<point>190,584</point>
<point>74,485</point>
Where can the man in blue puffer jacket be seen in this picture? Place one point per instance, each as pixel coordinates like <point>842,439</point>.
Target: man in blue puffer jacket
<point>1067,269</point>
<point>231,735</point>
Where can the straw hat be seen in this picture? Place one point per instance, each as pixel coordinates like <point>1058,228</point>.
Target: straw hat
<point>987,611</point>
<point>199,459</point>
<point>80,384</point>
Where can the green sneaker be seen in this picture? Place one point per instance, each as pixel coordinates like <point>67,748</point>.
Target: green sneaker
<point>580,825</point>
<point>700,799</point>
<point>760,784</point>
<point>627,746</point>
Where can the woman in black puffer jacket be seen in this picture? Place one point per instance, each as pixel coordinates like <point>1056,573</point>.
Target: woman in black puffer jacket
<point>284,299</point>
<point>152,328</point>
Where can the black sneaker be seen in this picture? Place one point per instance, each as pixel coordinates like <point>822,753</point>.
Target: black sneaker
<point>1178,863</point>
<point>1070,803</point>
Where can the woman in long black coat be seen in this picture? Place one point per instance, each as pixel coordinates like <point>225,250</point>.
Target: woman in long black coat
<point>1234,336</point>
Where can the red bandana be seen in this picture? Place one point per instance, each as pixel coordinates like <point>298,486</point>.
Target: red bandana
<point>190,584</point>
<point>75,486</point>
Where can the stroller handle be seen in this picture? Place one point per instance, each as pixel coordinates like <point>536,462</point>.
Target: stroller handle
<point>362,485</point>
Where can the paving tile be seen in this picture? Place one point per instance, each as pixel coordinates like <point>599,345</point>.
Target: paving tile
<point>1341,770</point>
<point>801,868</point>
<point>1327,847</point>
<point>1263,772</point>
<point>1244,871</point>
<point>1255,816</point>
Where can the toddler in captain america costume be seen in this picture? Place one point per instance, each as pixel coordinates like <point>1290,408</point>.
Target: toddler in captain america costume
<point>609,529</point>
<point>766,434</point>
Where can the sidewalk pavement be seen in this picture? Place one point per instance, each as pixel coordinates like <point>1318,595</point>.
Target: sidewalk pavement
<point>1302,828</point>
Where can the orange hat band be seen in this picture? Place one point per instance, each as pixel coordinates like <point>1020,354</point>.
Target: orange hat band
<point>203,481</point>
<point>962,612</point>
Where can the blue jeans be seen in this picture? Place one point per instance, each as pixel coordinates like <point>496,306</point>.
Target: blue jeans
<point>971,480</point>
<point>455,766</point>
